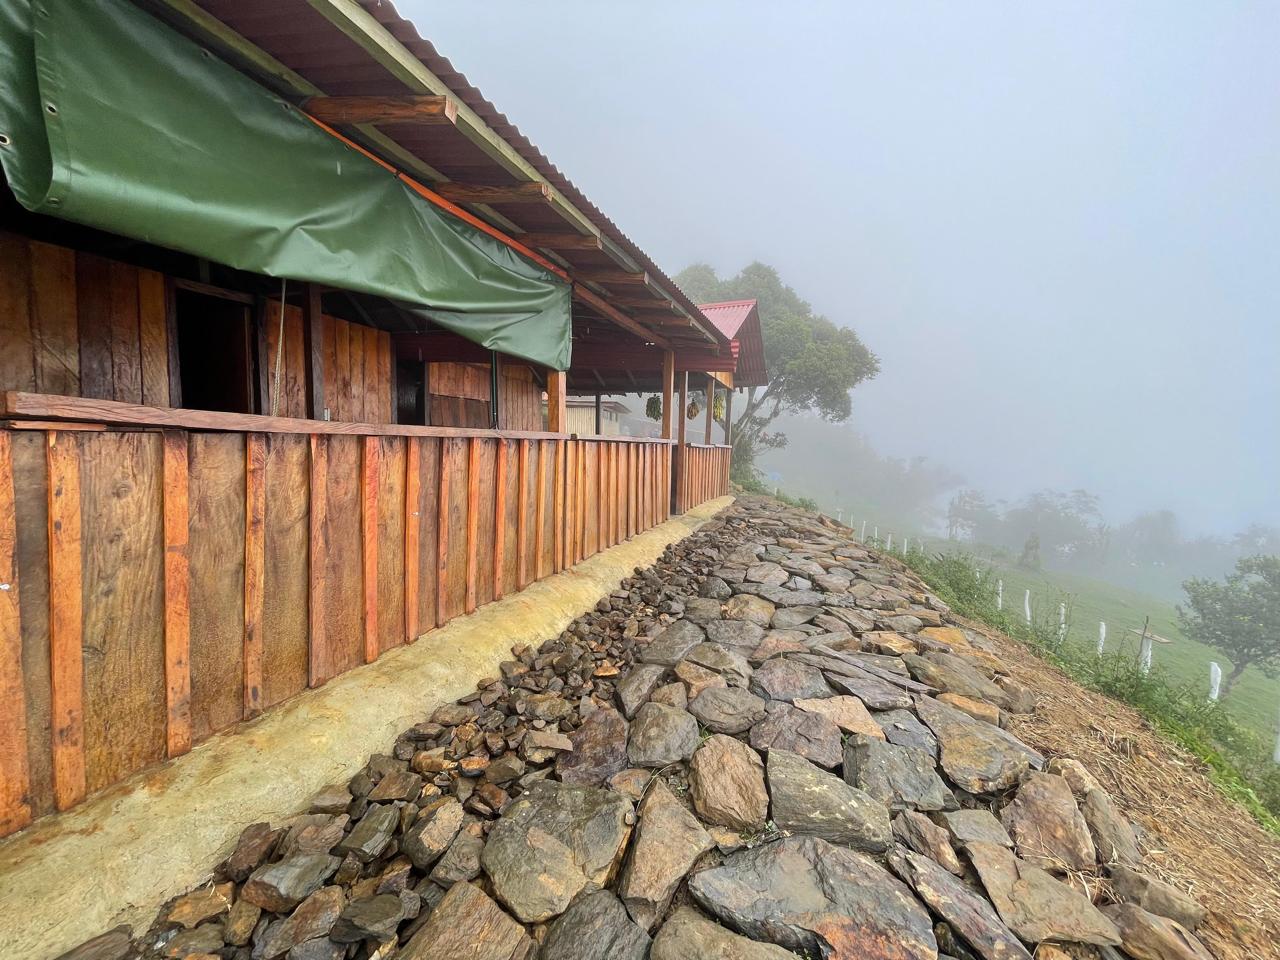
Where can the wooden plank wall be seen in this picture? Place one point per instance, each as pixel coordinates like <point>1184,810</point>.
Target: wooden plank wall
<point>703,475</point>
<point>164,585</point>
<point>460,396</point>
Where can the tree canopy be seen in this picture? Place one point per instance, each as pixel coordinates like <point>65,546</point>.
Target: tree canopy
<point>1240,616</point>
<point>813,363</point>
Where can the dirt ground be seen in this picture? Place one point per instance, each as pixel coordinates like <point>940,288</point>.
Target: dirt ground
<point>1194,836</point>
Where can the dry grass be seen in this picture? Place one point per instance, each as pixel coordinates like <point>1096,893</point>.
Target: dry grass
<point>1193,835</point>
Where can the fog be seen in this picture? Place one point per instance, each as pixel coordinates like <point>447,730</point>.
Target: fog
<point>1058,225</point>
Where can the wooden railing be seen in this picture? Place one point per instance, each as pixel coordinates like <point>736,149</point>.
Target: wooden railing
<point>165,574</point>
<point>702,475</point>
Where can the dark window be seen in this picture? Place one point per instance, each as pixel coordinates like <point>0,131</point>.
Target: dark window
<point>214,352</point>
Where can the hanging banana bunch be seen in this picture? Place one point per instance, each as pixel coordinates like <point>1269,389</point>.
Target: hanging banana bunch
<point>653,407</point>
<point>718,407</point>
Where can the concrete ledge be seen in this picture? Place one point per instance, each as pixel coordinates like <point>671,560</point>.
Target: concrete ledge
<point>117,858</point>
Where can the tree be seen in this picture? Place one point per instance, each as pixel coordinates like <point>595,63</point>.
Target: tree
<point>812,362</point>
<point>1240,616</point>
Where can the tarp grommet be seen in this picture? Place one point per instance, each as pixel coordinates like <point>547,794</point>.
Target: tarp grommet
<point>4,140</point>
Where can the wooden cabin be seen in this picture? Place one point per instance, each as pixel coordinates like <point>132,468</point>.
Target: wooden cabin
<point>252,436</point>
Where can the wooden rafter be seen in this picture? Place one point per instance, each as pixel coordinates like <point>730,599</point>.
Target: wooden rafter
<point>483,193</point>
<point>356,110</point>
<point>645,303</point>
<point>611,312</point>
<point>611,275</point>
<point>562,241</point>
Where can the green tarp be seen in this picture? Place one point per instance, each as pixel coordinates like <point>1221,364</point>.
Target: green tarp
<point>116,121</point>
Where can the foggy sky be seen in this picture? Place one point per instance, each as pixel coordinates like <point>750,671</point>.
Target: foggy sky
<point>1058,225</point>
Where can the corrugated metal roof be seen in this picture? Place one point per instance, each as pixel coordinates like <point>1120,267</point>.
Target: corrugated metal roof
<point>739,321</point>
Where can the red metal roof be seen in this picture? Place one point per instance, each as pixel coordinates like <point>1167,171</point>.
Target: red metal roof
<point>739,322</point>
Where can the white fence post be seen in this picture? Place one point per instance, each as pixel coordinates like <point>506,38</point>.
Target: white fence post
<point>1144,655</point>
<point>839,516</point>
<point>1215,681</point>
<point>863,535</point>
<point>1062,622</point>
<point>1026,606</point>
<point>1275,757</point>
<point>999,594</point>
<point>906,544</point>
<point>1102,635</point>
<point>889,547</point>
<point>875,532</point>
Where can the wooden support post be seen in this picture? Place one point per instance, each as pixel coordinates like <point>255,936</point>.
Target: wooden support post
<point>557,507</point>
<point>728,418</point>
<point>370,470</point>
<point>473,518</point>
<point>522,507</point>
<point>711,406</point>
<point>313,341</point>
<point>442,529</point>
<point>495,390</point>
<point>317,661</point>
<point>540,512</point>
<point>668,391</point>
<point>499,518</point>
<point>599,427</point>
<point>255,513</point>
<point>66,599</point>
<point>15,773</point>
<point>177,593</point>
<point>681,450</point>
<point>412,536</point>
<point>556,417</point>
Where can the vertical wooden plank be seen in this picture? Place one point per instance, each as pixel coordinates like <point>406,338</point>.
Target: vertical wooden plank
<point>602,453</point>
<point>341,405</point>
<point>313,341</point>
<point>177,595</point>
<point>557,506</point>
<point>355,353</point>
<point>15,774</point>
<point>428,539</point>
<point>412,532</point>
<point>126,348</point>
<point>153,336</point>
<point>317,668</point>
<point>53,320</point>
<point>286,579</point>
<point>522,511</point>
<point>375,391</point>
<point>392,534</point>
<point>581,488</point>
<point>66,598</point>
<point>386,378</point>
<point>540,511</point>
<point>447,460</point>
<point>293,374</point>
<point>571,451</point>
<point>255,517</point>
<point>369,477</point>
<point>556,384</point>
<point>18,356</point>
<point>343,574</point>
<point>473,518</point>
<point>93,315</point>
<point>499,518</point>
<point>218,558</point>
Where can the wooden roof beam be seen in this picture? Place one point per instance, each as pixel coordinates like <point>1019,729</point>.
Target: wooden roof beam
<point>645,303</point>
<point>531,192</point>
<point>562,241</point>
<point>598,303</point>
<point>357,110</point>
<point>610,275</point>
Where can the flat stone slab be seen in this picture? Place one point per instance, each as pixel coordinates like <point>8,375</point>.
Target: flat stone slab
<point>905,729</point>
<point>976,756</point>
<point>729,710</point>
<point>811,735</point>
<point>1047,828</point>
<point>661,735</point>
<point>669,840</point>
<point>785,679</point>
<point>466,923</point>
<point>806,800</point>
<point>672,645</point>
<point>552,843</point>
<point>688,935</point>
<point>726,783</point>
<point>818,899</point>
<point>847,713</point>
<point>595,925</point>
<point>599,749</point>
<point>902,778</point>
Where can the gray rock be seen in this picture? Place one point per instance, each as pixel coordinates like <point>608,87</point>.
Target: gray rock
<point>635,689</point>
<point>427,838</point>
<point>968,914</point>
<point>723,660</point>
<point>673,694</point>
<point>806,800</point>
<point>726,783</point>
<point>902,778</point>
<point>789,617</point>
<point>460,862</point>
<point>727,710</point>
<point>552,843</point>
<point>672,645</point>
<point>1033,904</point>
<point>818,899</point>
<point>661,735</point>
<point>1147,936</point>
<point>113,945</point>
<point>599,749</point>
<point>767,573</point>
<point>1046,826</point>
<point>753,609</point>
<point>976,756</point>
<point>313,918</point>
<point>688,935</point>
<point>922,835</point>
<point>595,925</point>
<point>281,886</point>
<point>784,679</point>
<point>701,610</point>
<point>811,735</point>
<point>1112,835</point>
<point>974,826</point>
<point>373,918</point>
<point>715,588</point>
<point>466,923</point>
<point>371,834</point>
<point>876,694</point>
<point>949,673</point>
<point>903,728</point>
<point>321,948</point>
<point>668,842</point>
<point>735,633</point>
<point>1156,896</point>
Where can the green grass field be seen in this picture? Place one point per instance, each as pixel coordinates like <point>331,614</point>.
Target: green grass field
<point>1255,702</point>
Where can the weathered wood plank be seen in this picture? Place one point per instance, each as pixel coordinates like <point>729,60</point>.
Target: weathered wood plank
<point>18,356</point>
<point>386,379</point>
<point>93,314</point>
<point>285,622</point>
<point>429,539</point>
<point>499,519</point>
<point>370,471</point>
<point>559,451</point>
<point>255,524</point>
<point>53,319</point>
<point>126,345</point>
<point>447,469</point>
<point>66,649</point>
<point>355,374</point>
<point>375,391</point>
<point>15,775</point>
<point>392,534</point>
<point>153,338</point>
<point>317,665</point>
<point>344,622</point>
<point>522,515</point>
<point>540,507</point>
<point>412,536</point>
<point>218,591</point>
<point>125,712</point>
<point>177,595</point>
<point>473,520</point>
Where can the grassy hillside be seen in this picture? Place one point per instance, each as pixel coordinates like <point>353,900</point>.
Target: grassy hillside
<point>1255,701</point>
